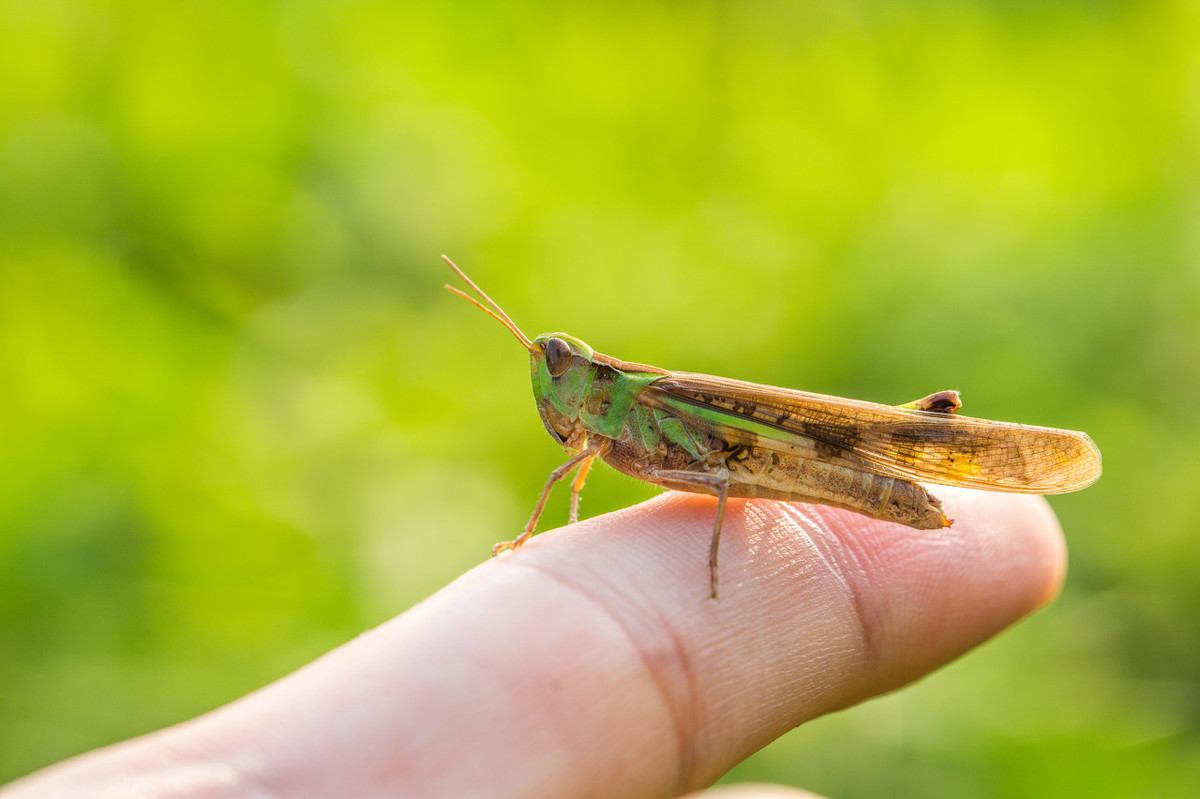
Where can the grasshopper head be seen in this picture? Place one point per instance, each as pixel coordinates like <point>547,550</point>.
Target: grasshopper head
<point>559,366</point>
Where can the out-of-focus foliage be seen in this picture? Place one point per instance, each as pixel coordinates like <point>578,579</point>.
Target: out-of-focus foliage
<point>240,420</point>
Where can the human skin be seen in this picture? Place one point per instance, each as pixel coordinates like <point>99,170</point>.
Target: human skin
<point>593,662</point>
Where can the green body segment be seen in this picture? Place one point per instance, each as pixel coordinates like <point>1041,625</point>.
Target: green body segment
<point>600,397</point>
<point>604,400</point>
<point>745,431</point>
<point>679,432</point>
<point>648,427</point>
<point>643,428</point>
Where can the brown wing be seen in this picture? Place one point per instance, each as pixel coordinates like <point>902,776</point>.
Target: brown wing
<point>912,445</point>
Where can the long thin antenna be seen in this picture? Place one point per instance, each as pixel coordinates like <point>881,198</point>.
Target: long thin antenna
<point>498,314</point>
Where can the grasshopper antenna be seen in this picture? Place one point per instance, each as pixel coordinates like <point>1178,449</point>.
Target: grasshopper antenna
<point>498,314</point>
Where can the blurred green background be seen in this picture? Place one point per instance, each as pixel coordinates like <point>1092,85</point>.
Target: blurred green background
<point>241,421</point>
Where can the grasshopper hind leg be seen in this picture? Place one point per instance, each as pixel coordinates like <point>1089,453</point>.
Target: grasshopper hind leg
<point>715,483</point>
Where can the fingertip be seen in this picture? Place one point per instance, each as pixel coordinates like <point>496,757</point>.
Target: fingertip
<point>1013,543</point>
<point>928,597</point>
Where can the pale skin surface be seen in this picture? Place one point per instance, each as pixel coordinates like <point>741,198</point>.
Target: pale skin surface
<point>593,663</point>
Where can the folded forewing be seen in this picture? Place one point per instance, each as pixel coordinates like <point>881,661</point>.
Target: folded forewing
<point>913,445</point>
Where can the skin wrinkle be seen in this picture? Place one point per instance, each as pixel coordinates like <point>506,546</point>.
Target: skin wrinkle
<point>750,521</point>
<point>736,536</point>
<point>246,781</point>
<point>772,533</point>
<point>675,709</point>
<point>824,545</point>
<point>882,557</point>
<point>247,785</point>
<point>702,507</point>
<point>166,770</point>
<point>873,556</point>
<point>803,546</point>
<point>808,550</point>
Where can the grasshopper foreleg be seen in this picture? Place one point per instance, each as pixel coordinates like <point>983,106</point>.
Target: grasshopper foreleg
<point>715,483</point>
<point>594,448</point>
<point>577,487</point>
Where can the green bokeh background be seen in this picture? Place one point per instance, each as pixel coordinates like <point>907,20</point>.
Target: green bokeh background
<point>240,420</point>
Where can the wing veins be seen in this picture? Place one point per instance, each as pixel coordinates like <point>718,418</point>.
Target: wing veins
<point>898,442</point>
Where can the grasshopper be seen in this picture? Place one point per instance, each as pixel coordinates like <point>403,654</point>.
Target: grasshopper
<point>727,438</point>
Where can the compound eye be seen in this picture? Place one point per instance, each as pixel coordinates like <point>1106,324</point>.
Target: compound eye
<point>558,356</point>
